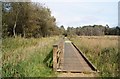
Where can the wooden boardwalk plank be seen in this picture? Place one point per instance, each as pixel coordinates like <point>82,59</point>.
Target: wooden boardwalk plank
<point>72,60</point>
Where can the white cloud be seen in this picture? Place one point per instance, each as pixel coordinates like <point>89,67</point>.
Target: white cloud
<point>83,12</point>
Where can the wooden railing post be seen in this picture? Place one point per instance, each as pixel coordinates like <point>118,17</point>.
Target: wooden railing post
<point>55,48</point>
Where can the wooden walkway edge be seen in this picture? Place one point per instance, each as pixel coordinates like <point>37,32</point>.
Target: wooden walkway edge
<point>71,59</point>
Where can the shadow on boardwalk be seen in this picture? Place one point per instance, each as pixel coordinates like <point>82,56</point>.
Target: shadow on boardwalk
<point>49,59</point>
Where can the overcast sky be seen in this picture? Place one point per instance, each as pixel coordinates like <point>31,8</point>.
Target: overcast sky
<point>76,13</point>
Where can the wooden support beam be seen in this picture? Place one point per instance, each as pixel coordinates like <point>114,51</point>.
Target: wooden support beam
<point>55,48</point>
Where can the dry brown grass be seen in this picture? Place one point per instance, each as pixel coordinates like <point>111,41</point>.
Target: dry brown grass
<point>101,41</point>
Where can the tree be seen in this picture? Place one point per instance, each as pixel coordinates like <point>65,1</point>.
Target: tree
<point>29,20</point>
<point>15,18</point>
<point>62,30</point>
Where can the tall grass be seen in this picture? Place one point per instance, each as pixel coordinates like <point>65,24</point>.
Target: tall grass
<point>102,51</point>
<point>24,57</point>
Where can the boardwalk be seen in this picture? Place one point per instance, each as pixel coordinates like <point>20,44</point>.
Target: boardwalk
<point>72,60</point>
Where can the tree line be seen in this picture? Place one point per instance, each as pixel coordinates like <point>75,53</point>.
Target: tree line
<point>95,30</point>
<point>28,19</point>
